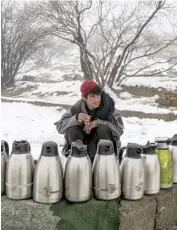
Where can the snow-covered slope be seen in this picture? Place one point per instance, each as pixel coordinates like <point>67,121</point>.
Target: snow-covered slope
<point>163,82</point>
<point>36,124</point>
<point>68,92</point>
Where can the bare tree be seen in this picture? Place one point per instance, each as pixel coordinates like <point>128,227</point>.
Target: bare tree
<point>19,39</point>
<point>113,41</point>
<point>48,50</point>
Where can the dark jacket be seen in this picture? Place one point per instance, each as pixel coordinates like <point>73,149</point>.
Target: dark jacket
<point>106,114</point>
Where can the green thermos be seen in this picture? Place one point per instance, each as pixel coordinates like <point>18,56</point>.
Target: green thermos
<point>166,163</point>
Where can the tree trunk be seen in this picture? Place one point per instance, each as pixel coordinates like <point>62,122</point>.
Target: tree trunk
<point>7,81</point>
<point>8,73</point>
<point>86,65</point>
<point>84,59</point>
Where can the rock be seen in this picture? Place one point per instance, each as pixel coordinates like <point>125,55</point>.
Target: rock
<point>157,212</point>
<point>26,215</point>
<point>166,207</point>
<point>138,215</point>
<point>67,77</point>
<point>168,99</point>
<point>28,78</point>
<point>77,77</point>
<point>164,116</point>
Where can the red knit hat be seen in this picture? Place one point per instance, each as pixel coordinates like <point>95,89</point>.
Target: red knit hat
<point>87,86</point>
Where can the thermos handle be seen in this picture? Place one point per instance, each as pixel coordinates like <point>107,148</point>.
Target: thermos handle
<point>6,145</point>
<point>121,153</point>
<point>169,140</point>
<point>140,151</point>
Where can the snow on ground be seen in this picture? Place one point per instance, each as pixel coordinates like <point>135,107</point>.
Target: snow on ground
<point>70,64</point>
<point>68,93</point>
<point>53,92</point>
<point>66,63</point>
<point>36,124</point>
<point>154,82</point>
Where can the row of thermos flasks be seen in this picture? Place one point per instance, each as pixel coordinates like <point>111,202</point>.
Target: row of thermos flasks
<point>137,171</point>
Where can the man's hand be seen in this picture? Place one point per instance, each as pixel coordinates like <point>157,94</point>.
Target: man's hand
<point>82,117</point>
<point>89,127</point>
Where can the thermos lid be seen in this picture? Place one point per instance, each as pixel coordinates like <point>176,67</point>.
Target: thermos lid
<point>29,146</point>
<point>19,147</point>
<point>134,150</point>
<point>78,149</point>
<point>105,147</point>
<point>173,140</point>
<point>49,149</point>
<point>162,139</point>
<point>149,148</point>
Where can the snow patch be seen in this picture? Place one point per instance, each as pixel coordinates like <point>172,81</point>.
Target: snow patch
<point>153,82</point>
<point>36,124</point>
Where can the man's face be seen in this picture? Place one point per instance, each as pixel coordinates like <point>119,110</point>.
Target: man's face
<point>93,101</point>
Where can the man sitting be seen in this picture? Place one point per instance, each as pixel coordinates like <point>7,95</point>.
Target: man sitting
<point>92,118</point>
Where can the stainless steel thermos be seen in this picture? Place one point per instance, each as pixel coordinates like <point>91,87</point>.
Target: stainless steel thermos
<point>166,162</point>
<point>19,172</point>
<point>106,172</point>
<point>152,169</point>
<point>142,170</point>
<point>48,177</point>
<point>78,174</point>
<point>132,172</point>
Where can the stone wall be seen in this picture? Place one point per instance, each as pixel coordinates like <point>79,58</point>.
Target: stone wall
<point>142,90</point>
<point>154,212</point>
<point>167,99</point>
<point>141,115</point>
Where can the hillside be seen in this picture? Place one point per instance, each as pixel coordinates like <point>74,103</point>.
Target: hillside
<point>136,96</point>
<point>53,89</point>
